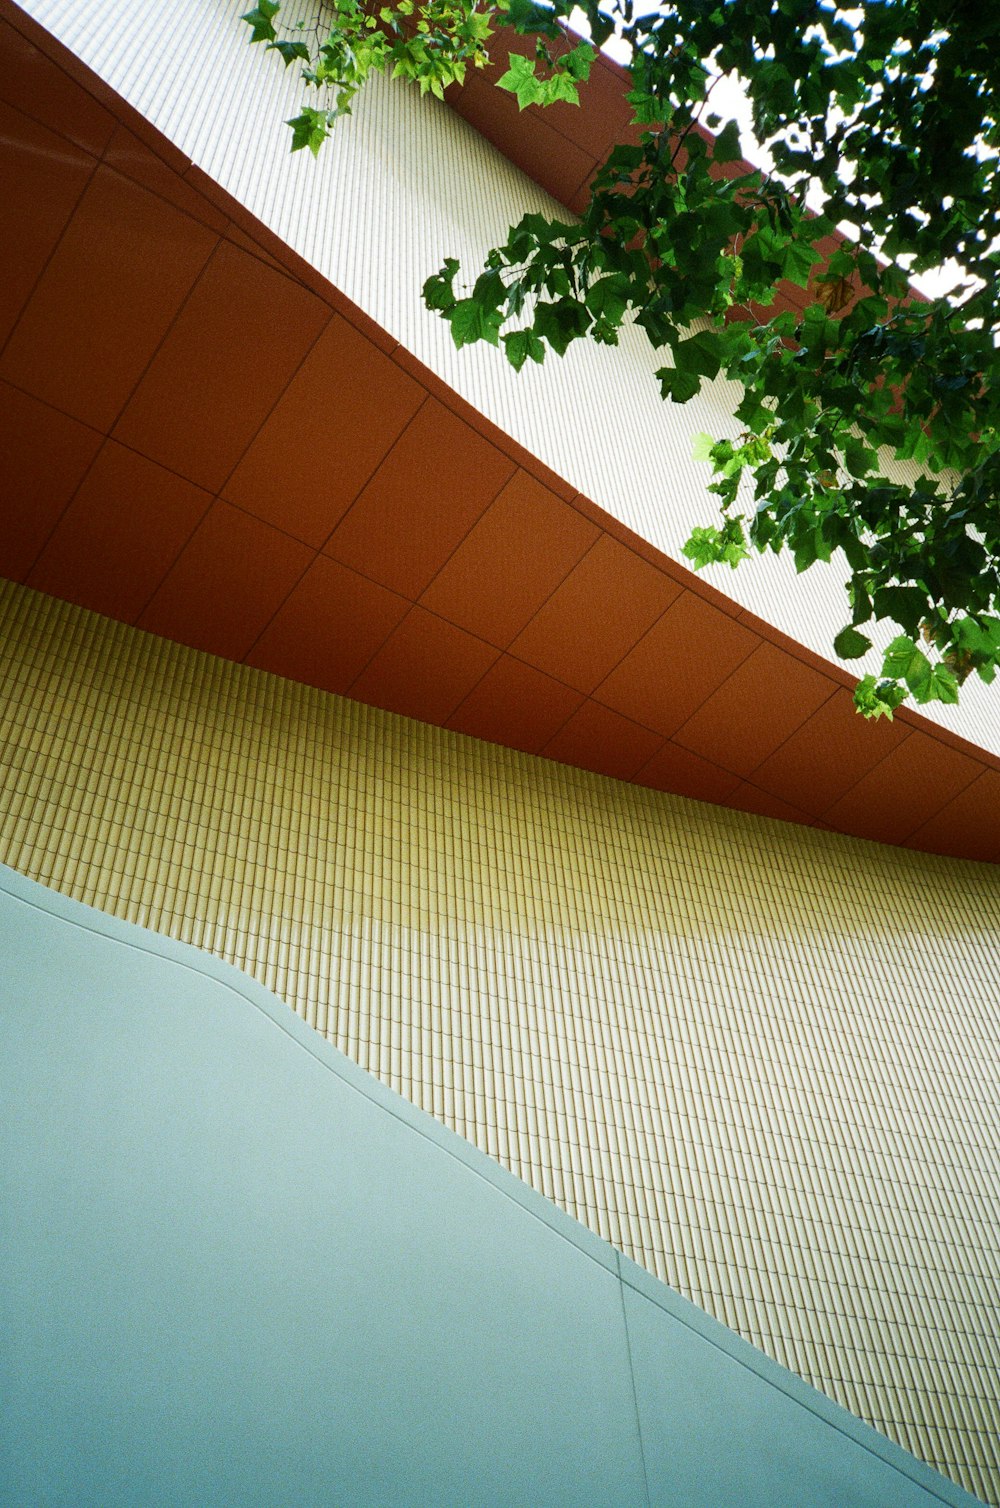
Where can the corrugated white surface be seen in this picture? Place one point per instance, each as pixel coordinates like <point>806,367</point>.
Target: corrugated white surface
<point>401,185</point>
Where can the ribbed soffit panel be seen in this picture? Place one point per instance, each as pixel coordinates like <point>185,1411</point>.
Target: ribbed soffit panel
<point>403,183</point>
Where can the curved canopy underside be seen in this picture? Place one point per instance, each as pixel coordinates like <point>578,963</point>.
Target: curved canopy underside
<point>206,439</point>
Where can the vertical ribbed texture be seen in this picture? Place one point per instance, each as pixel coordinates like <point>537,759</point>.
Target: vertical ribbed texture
<point>402,184</point>
<point>760,1059</point>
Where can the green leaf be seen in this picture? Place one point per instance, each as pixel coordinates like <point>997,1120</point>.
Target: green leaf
<point>906,605</point>
<point>800,259</point>
<point>850,645</point>
<point>310,129</point>
<point>679,387</point>
<point>260,18</point>
<point>520,81</point>
<point>702,548</point>
<point>608,297</point>
<point>471,322</point>
<point>560,86</point>
<point>701,447</point>
<point>727,144</point>
<point>725,546</point>
<point>579,62</point>
<point>858,458</point>
<point>289,50</point>
<point>979,636</point>
<point>874,699</point>
<point>702,353</point>
<point>942,686</point>
<point>439,291</point>
<point>489,290</point>
<point>647,109</point>
<point>905,660</point>
<point>561,323</point>
<point>528,16</point>
<point>808,547</point>
<point>522,346</point>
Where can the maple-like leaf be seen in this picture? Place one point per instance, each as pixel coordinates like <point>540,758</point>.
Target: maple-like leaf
<point>260,20</point>
<point>835,294</point>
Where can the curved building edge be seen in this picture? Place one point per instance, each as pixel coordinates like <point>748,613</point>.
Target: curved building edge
<point>515,609</point>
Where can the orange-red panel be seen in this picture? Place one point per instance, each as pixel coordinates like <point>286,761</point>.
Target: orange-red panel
<point>336,421</point>
<point>765,699</point>
<point>690,652</point>
<point>44,456</point>
<point>128,522</point>
<point>903,792</point>
<point>437,480</point>
<point>602,608</point>
<point>38,87</point>
<point>106,298</point>
<point>829,753</point>
<point>425,669</point>
<point>603,117</point>
<point>675,769</point>
<point>598,739</point>
<point>134,159</point>
<point>511,562</point>
<point>969,824</point>
<point>233,349</point>
<point>544,154</point>
<point>749,798</point>
<point>517,705</point>
<point>329,627</point>
<point>227,584</point>
<point>41,179</point>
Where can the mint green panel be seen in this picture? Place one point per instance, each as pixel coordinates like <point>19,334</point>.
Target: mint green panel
<point>723,1424</point>
<point>232,1276</point>
<point>234,1269</point>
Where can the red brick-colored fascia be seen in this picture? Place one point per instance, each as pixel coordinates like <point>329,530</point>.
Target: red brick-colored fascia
<point>252,236</point>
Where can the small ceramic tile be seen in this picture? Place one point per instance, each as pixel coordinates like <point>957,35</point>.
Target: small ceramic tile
<point>750,1054</point>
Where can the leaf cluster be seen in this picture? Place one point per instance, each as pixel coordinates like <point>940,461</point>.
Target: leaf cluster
<point>430,42</point>
<point>882,119</point>
<point>698,248</point>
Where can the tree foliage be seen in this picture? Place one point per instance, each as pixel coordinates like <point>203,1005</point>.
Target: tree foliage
<point>881,121</point>
<point>430,42</point>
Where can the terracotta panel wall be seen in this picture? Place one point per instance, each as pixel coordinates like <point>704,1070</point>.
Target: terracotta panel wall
<point>230,454</point>
<point>420,181</point>
<point>759,1058</point>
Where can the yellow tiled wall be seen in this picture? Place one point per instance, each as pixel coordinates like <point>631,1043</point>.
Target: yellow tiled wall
<point>761,1059</point>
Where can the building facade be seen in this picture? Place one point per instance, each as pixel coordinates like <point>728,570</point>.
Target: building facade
<point>578,855</point>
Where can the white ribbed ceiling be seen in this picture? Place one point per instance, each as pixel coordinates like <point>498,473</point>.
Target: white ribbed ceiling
<point>402,184</point>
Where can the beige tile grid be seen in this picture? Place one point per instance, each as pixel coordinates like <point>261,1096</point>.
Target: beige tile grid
<point>760,1059</point>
